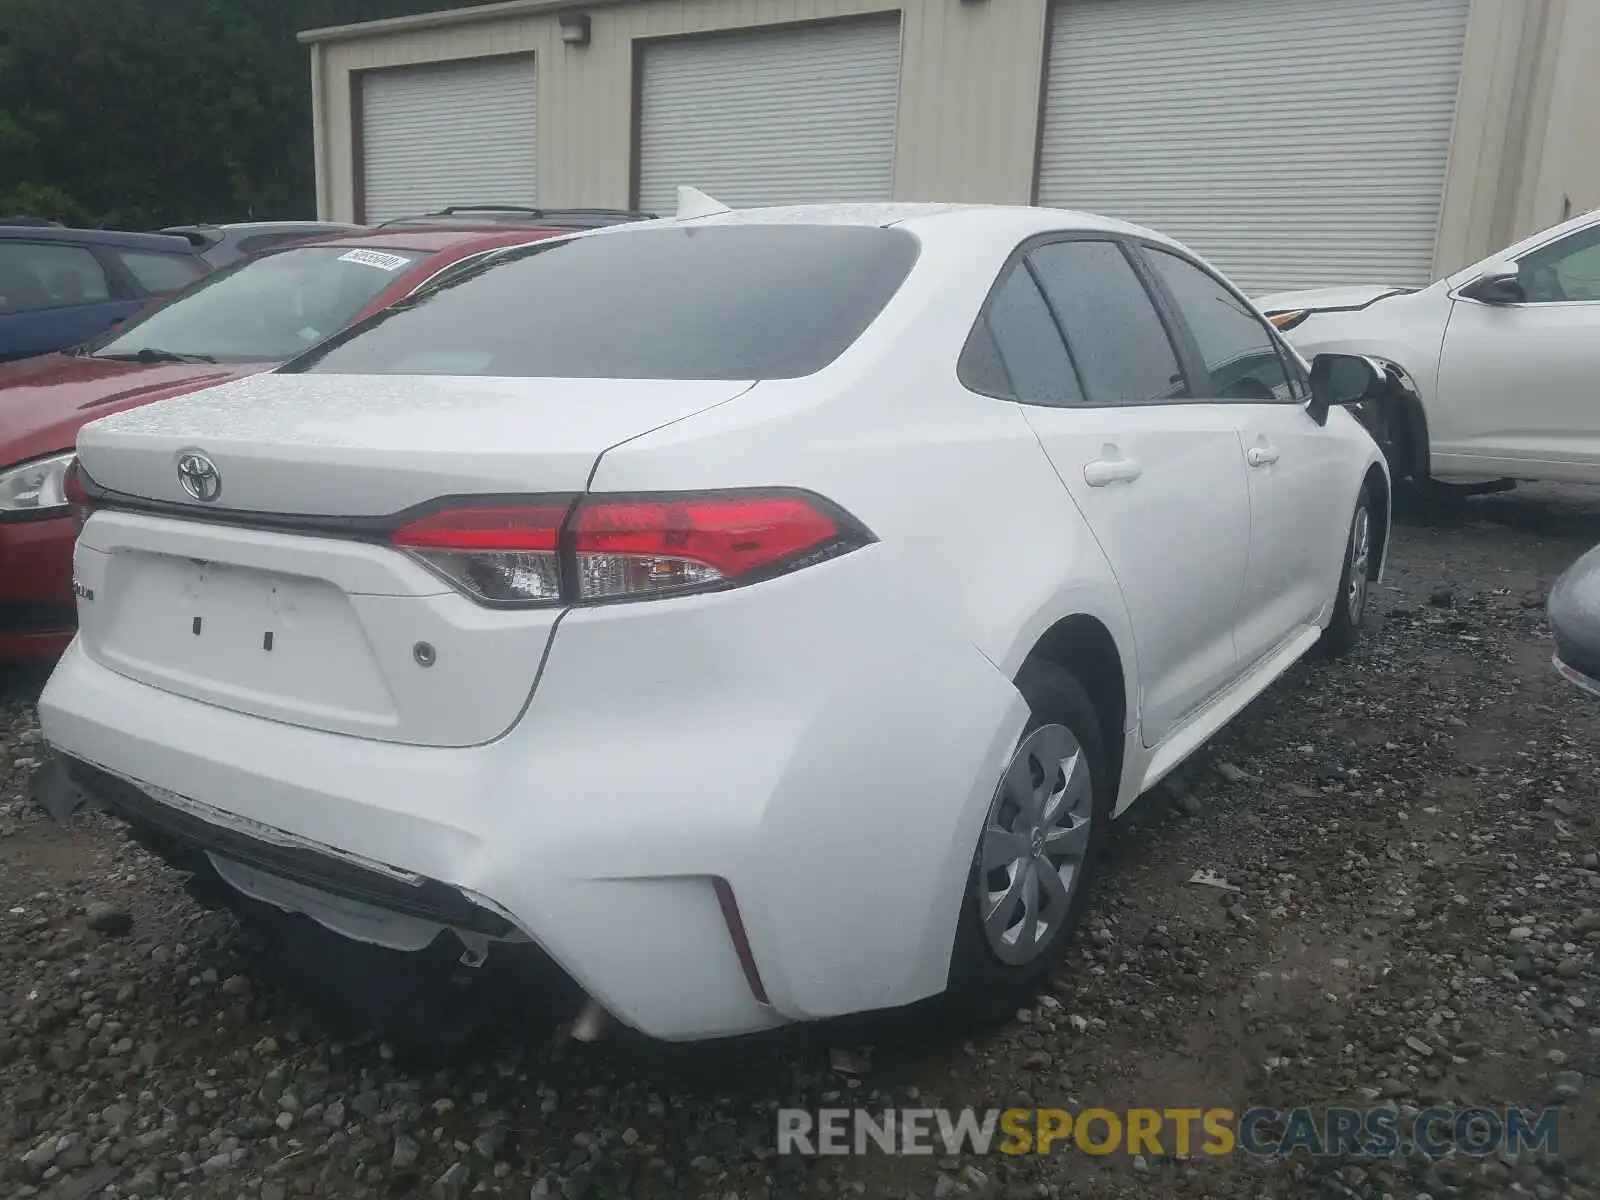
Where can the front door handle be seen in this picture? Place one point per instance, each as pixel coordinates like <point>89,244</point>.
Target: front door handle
<point>1103,471</point>
<point>1261,456</point>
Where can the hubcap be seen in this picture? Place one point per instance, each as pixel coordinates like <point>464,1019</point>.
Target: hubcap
<point>1360,552</point>
<point>1034,841</point>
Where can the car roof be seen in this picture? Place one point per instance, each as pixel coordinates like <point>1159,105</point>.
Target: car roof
<point>163,242</point>
<point>927,218</point>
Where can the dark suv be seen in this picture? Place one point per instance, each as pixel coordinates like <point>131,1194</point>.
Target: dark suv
<point>59,287</point>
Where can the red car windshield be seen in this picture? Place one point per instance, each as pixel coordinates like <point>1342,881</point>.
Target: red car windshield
<point>266,309</point>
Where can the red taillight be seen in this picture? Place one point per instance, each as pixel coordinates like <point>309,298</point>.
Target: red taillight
<point>499,554</point>
<point>547,551</point>
<point>640,547</point>
<point>498,527</point>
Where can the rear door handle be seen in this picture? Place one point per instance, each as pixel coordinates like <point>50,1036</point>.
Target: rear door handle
<point>1261,456</point>
<point>1104,471</point>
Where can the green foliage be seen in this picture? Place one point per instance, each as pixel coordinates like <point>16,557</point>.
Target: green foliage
<point>140,113</point>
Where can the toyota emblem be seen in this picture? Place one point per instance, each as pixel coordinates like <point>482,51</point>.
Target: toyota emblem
<point>199,476</point>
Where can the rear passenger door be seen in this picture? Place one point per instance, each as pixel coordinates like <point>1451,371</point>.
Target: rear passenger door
<point>1072,332</point>
<point>1299,497</point>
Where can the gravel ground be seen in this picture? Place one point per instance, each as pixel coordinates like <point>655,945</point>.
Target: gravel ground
<point>1411,833</point>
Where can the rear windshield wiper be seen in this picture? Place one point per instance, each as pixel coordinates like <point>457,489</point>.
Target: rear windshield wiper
<point>150,354</point>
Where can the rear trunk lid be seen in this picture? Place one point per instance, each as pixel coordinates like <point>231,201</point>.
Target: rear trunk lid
<point>337,633</point>
<point>362,446</point>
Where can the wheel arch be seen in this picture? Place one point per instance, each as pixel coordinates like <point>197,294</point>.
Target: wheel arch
<point>1085,647</point>
<point>1378,484</point>
<point>1404,398</point>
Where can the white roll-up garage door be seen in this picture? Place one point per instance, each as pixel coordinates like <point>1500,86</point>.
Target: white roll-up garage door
<point>1295,143</point>
<point>451,133</point>
<point>780,116</point>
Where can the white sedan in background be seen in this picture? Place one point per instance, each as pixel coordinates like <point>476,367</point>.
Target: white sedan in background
<point>759,614</point>
<point>1496,368</point>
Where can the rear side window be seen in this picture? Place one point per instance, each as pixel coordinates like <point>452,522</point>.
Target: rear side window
<point>1241,358</point>
<point>1115,337</point>
<point>159,273</point>
<point>706,302</point>
<point>38,275</point>
<point>1016,351</point>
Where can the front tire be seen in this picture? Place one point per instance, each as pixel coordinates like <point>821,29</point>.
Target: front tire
<point>1355,578</point>
<point>1037,850</point>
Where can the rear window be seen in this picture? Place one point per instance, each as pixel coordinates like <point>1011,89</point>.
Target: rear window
<point>709,302</point>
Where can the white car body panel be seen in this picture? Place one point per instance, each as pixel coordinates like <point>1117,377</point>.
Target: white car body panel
<point>372,445</point>
<point>1181,576</point>
<point>1298,497</point>
<point>587,772</point>
<point>1507,390</point>
<point>1522,381</point>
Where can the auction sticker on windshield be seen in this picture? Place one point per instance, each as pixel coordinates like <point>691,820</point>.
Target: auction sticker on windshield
<point>376,258</point>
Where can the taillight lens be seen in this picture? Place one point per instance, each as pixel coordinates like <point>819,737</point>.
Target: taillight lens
<point>646,547</point>
<point>554,551</point>
<point>501,554</point>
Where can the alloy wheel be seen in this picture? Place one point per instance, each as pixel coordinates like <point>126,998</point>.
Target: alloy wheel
<point>1360,555</point>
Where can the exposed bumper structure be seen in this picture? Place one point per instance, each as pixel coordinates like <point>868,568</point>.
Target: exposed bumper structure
<point>668,746</point>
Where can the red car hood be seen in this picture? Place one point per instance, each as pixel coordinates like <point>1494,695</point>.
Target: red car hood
<point>44,401</point>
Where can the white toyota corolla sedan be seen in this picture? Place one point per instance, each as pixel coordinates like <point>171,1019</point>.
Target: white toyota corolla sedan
<point>759,614</point>
<point>1498,365</point>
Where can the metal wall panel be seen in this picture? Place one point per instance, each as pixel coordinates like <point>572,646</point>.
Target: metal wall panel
<point>777,116</point>
<point>967,109</point>
<point>449,133</point>
<point>1295,144</point>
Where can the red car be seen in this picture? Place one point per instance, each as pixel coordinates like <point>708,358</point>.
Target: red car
<point>240,321</point>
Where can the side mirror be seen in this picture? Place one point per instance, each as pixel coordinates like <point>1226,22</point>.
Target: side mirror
<point>1500,283</point>
<point>1339,380</point>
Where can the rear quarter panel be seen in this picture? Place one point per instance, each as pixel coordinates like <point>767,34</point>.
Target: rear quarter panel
<point>980,547</point>
<point>955,483</point>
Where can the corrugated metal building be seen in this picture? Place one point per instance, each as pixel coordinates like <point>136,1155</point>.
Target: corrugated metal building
<point>1296,142</point>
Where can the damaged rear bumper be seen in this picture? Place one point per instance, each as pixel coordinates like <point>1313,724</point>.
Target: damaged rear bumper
<point>187,836</point>
<point>693,818</point>
<point>401,953</point>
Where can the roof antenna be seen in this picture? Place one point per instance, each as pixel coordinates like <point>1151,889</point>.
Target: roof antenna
<point>692,202</point>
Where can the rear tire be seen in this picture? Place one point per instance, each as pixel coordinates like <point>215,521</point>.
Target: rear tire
<point>1037,850</point>
<point>1350,602</point>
